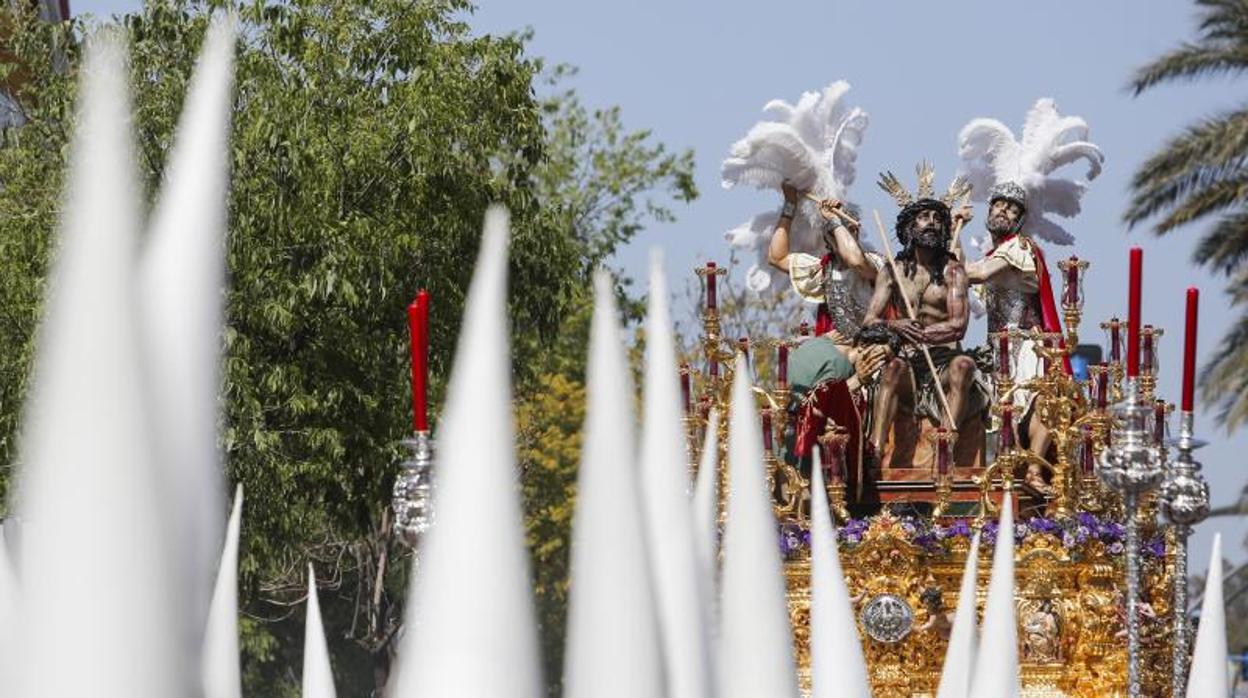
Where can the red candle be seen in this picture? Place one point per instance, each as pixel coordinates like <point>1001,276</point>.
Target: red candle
<point>1005,440</point>
<point>782,364</point>
<point>418,327</point>
<point>1189,351</point>
<point>1072,282</point>
<point>1003,354</point>
<point>1115,340</point>
<point>1159,422</point>
<point>1133,312</point>
<point>1146,351</point>
<point>942,451</point>
<point>767,443</point>
<point>685,392</point>
<point>712,298</point>
<point>1102,387</point>
<point>1087,456</point>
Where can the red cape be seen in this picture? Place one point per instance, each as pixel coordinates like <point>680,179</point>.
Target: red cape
<point>1050,321</point>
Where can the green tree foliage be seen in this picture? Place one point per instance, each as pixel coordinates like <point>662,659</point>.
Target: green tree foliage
<point>1202,175</point>
<point>368,138</point>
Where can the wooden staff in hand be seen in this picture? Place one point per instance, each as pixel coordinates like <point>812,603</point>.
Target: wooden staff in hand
<point>931,365</point>
<point>840,212</point>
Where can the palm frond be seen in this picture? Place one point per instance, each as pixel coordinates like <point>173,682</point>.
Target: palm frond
<point>1192,61</point>
<point>1221,190</point>
<point>1224,381</point>
<point>1226,246</point>
<point>1211,150</point>
<point>1224,20</point>
<point>1177,192</point>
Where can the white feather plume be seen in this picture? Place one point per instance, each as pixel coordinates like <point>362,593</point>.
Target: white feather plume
<point>992,155</point>
<point>812,145</point>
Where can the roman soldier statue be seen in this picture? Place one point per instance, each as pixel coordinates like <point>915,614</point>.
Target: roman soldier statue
<point>1015,179</point>
<point>808,151</point>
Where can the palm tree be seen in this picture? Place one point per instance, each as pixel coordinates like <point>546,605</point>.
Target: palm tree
<point>1202,174</point>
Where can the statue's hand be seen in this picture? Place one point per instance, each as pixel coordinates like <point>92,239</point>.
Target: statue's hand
<point>870,360</point>
<point>791,193</point>
<point>828,208</point>
<point>963,215</point>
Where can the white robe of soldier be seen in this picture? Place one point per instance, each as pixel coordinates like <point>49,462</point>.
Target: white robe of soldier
<point>1012,303</point>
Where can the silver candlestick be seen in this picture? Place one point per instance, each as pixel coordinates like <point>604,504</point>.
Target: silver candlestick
<point>1133,466</point>
<point>413,491</point>
<point>1185,503</point>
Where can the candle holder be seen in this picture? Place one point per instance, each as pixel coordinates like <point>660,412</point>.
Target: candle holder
<point>1184,503</point>
<point>832,445</point>
<point>1113,330</point>
<point>1072,295</point>
<point>1132,465</point>
<point>690,421</point>
<point>942,443</point>
<point>710,321</point>
<point>1150,341</point>
<point>1003,345</point>
<point>413,491</point>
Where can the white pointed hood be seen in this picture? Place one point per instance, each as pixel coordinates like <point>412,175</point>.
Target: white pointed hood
<point>318,676</point>
<point>706,514</point>
<point>996,668</point>
<point>180,281</point>
<point>612,639</point>
<point>756,644</point>
<point>222,677</point>
<point>87,480</point>
<point>683,606</point>
<point>470,628</point>
<point>838,668</point>
<point>1208,675</point>
<point>955,677</point>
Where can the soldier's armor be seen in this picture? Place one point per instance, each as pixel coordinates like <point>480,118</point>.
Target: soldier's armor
<point>1011,306</point>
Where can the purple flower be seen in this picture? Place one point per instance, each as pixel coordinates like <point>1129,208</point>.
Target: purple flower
<point>792,539</point>
<point>1042,525</point>
<point>961,527</point>
<point>1155,547</point>
<point>1115,548</point>
<point>1068,540</point>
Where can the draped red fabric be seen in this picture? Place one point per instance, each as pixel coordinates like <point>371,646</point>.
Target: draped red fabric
<point>831,400</point>
<point>1050,321</point>
<point>823,317</point>
<point>823,320</point>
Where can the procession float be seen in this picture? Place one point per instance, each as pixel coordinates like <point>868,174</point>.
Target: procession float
<point>921,434</point>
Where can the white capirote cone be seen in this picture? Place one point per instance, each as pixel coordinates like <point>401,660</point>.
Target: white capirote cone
<point>98,610</point>
<point>318,676</point>
<point>955,677</point>
<point>1207,677</point>
<point>8,609</point>
<point>222,677</point>
<point>683,601</point>
<point>181,281</point>
<point>612,638</point>
<point>838,668</point>
<point>706,514</point>
<point>996,667</point>
<point>470,627</point>
<point>756,643</point>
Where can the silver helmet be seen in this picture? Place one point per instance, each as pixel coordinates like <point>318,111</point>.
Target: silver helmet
<point>1013,192</point>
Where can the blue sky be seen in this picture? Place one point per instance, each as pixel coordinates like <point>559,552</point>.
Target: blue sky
<point>698,73</point>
